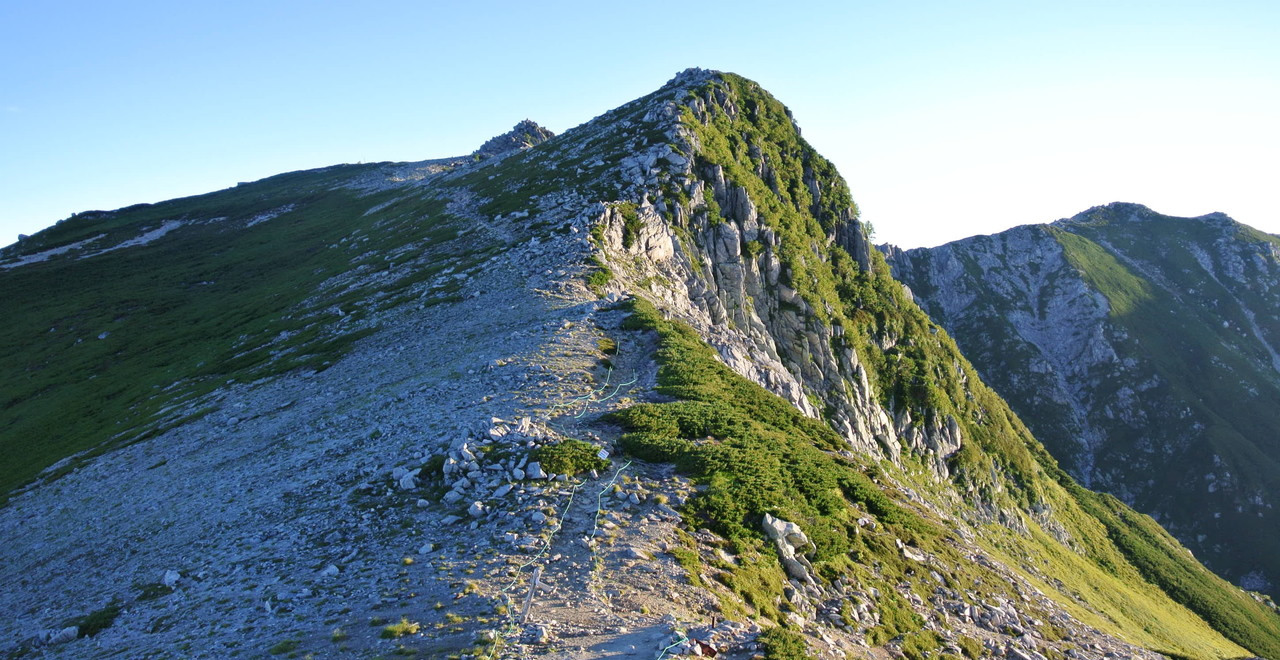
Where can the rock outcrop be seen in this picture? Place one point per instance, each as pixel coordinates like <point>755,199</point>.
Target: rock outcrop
<point>525,134</point>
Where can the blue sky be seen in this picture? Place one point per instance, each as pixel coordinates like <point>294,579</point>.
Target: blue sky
<point>948,119</point>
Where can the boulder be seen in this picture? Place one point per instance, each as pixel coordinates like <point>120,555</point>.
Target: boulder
<point>790,540</point>
<point>65,635</point>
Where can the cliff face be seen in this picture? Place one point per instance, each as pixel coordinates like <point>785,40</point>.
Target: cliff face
<point>1142,350</point>
<point>572,400</point>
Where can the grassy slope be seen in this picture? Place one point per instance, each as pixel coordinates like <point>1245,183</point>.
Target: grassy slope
<point>922,370</point>
<point>209,302</point>
<point>1195,354</point>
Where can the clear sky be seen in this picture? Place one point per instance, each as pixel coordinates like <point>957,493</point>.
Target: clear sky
<point>947,118</point>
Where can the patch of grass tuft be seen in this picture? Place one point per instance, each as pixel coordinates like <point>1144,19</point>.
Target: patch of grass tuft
<point>285,646</point>
<point>400,629</point>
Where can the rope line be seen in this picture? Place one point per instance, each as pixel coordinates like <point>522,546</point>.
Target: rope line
<point>617,388</point>
<point>511,615</point>
<point>595,559</point>
<point>600,497</point>
<point>678,642</point>
<point>608,375</point>
<point>588,398</point>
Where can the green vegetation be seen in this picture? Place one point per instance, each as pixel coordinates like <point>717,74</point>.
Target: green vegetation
<point>97,620</point>
<point>570,457</point>
<point>896,618</point>
<point>1125,291</point>
<point>152,590</point>
<point>400,629</point>
<point>285,646</point>
<point>918,645</point>
<point>783,644</point>
<point>107,350</point>
<point>599,276</point>
<point>755,452</point>
<point>971,647</point>
<point>630,223</point>
<point>1163,562</point>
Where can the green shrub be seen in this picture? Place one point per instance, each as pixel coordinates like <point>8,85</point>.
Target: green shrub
<point>152,590</point>
<point>783,644</point>
<point>754,451</point>
<point>599,277</point>
<point>630,223</point>
<point>96,621</point>
<point>285,646</point>
<point>916,646</point>
<point>569,457</point>
<point>896,618</point>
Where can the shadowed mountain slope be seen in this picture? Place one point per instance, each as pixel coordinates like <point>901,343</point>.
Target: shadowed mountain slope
<point>1143,350</point>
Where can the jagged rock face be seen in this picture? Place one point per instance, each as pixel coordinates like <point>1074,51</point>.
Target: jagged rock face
<point>1142,350</point>
<point>726,276</point>
<point>1043,302</point>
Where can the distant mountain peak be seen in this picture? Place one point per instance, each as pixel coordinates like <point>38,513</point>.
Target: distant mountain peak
<point>1113,212</point>
<point>525,134</point>
<point>1121,212</point>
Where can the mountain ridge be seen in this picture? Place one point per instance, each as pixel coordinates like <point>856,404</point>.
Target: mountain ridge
<point>653,359</point>
<point>1111,267</point>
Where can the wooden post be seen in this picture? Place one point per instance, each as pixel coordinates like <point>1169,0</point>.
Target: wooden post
<point>528,601</point>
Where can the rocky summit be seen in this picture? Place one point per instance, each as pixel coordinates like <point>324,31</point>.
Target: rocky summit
<point>1144,351</point>
<point>642,389</point>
